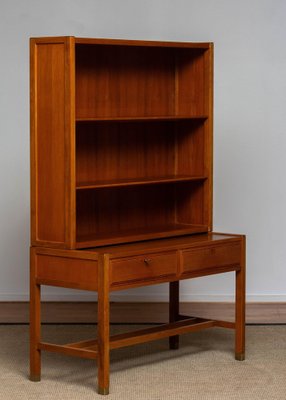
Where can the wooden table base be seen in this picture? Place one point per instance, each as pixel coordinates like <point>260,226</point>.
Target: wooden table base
<point>99,348</point>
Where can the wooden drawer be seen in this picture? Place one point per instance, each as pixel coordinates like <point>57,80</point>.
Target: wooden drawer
<point>205,258</point>
<point>143,268</point>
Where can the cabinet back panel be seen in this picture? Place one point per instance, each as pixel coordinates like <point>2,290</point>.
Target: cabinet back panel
<point>119,81</point>
<point>115,210</point>
<point>124,81</point>
<point>103,211</point>
<point>107,151</point>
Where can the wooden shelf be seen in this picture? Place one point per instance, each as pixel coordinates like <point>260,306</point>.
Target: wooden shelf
<point>138,181</point>
<point>135,235</point>
<point>142,43</point>
<point>142,119</point>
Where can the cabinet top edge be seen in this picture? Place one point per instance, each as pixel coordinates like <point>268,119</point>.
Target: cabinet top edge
<point>122,42</point>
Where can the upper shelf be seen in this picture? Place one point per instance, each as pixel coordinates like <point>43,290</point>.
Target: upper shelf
<point>137,181</point>
<point>142,43</point>
<point>142,119</point>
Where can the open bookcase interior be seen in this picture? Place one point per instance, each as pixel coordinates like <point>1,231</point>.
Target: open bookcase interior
<point>128,81</point>
<point>151,209</point>
<point>117,151</point>
<point>141,143</point>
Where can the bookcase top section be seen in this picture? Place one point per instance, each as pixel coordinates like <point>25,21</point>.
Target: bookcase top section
<point>121,140</point>
<point>125,42</point>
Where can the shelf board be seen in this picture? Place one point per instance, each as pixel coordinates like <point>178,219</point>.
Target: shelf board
<point>142,43</point>
<point>138,182</point>
<point>142,119</point>
<point>135,235</point>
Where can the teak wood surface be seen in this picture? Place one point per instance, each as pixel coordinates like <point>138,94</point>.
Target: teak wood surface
<point>109,268</point>
<point>122,183</point>
<point>121,140</point>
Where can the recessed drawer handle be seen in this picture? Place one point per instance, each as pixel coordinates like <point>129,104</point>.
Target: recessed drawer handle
<point>147,261</point>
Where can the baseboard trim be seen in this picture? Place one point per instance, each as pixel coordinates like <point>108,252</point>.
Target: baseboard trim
<point>141,312</point>
<point>144,298</point>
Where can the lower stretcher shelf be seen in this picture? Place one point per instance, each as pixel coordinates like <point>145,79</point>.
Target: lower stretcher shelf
<point>89,348</point>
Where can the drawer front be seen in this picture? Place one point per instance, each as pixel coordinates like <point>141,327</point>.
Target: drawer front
<point>143,268</point>
<point>206,258</point>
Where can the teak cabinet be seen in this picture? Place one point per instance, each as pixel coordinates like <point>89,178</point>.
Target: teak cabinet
<point>121,183</point>
<point>121,140</point>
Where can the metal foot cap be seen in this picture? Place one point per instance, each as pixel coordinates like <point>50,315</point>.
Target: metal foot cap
<point>240,356</point>
<point>102,390</point>
<point>35,378</point>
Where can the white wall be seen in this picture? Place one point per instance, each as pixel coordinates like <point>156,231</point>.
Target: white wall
<point>250,125</point>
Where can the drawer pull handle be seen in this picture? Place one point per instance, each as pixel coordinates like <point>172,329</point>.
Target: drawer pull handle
<point>147,261</point>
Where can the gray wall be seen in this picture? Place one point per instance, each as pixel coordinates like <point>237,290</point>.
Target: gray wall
<point>250,120</point>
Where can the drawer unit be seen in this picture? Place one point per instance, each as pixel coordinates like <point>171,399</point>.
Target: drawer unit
<point>206,258</point>
<point>143,268</point>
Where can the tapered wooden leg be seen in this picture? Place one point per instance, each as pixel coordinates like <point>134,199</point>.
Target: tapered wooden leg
<point>103,325</point>
<point>35,321</point>
<point>240,309</point>
<point>174,311</point>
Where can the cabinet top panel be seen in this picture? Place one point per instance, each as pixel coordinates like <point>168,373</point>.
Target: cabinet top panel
<point>124,42</point>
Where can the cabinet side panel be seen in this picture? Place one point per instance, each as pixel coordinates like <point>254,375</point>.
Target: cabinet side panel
<point>48,142</point>
<point>190,82</point>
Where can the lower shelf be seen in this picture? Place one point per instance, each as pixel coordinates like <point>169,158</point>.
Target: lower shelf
<point>134,235</point>
<point>89,348</point>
